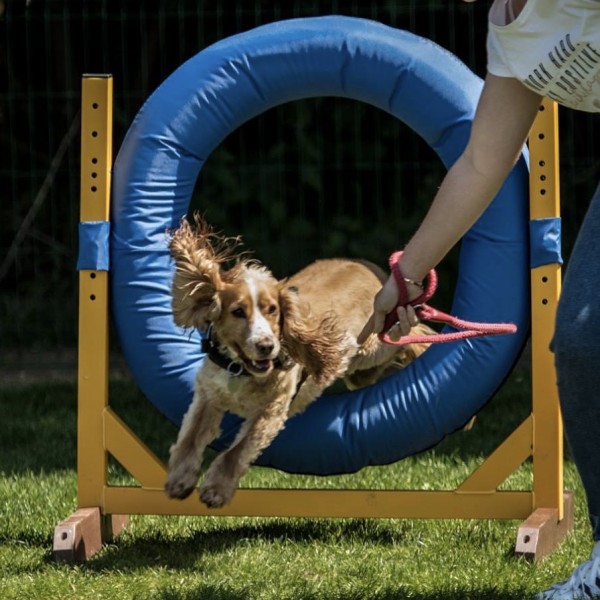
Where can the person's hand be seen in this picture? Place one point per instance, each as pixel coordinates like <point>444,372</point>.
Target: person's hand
<point>384,303</point>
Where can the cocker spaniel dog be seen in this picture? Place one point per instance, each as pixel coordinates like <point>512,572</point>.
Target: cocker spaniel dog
<point>272,347</point>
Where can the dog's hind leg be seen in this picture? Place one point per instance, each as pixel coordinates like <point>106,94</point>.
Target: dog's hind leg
<point>256,433</point>
<point>200,426</point>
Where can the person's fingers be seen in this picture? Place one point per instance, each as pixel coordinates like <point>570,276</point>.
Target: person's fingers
<point>378,320</point>
<point>384,302</point>
<point>394,333</point>
<point>403,320</point>
<point>367,330</point>
<point>413,318</point>
<point>407,318</point>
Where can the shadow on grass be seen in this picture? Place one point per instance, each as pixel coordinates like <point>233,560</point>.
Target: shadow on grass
<point>211,592</point>
<point>184,554</point>
<point>181,552</point>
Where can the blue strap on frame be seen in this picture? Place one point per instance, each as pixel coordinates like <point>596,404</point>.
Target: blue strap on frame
<point>93,246</point>
<point>545,237</point>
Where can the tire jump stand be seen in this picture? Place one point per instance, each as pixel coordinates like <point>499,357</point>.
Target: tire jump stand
<point>546,510</point>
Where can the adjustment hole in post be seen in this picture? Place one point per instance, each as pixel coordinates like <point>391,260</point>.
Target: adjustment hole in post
<point>94,134</point>
<point>94,161</point>
<point>94,188</point>
<point>544,279</point>
<point>542,177</point>
<point>95,106</point>
<point>92,275</point>
<point>92,297</point>
<point>545,301</point>
<point>542,192</point>
<point>542,163</point>
<point>541,136</point>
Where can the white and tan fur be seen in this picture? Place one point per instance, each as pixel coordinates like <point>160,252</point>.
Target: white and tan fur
<point>293,338</point>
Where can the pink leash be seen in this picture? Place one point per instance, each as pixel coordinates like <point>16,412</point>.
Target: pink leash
<point>428,313</point>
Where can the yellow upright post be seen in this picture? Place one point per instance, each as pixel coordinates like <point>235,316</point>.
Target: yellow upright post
<point>553,517</point>
<point>83,533</point>
<point>96,163</point>
<point>545,291</point>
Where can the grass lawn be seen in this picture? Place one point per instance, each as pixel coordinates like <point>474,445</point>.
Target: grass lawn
<point>176,558</point>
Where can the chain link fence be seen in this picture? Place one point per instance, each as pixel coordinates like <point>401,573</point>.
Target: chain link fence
<point>313,178</point>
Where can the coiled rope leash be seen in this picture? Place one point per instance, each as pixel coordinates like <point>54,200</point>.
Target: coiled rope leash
<point>425,312</point>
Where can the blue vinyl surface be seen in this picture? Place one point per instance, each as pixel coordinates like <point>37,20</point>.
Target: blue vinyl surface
<point>211,95</point>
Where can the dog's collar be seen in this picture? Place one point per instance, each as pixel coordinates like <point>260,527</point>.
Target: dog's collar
<point>212,352</point>
<point>233,367</point>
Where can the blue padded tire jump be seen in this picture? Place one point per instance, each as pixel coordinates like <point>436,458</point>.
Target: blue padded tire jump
<point>240,77</point>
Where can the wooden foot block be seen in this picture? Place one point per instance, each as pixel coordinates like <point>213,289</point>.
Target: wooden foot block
<point>542,532</point>
<point>80,536</point>
<point>113,525</point>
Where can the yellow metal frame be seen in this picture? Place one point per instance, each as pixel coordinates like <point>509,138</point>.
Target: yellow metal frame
<point>96,165</point>
<point>102,432</point>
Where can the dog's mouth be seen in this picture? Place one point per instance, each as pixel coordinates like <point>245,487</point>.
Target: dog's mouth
<point>260,367</point>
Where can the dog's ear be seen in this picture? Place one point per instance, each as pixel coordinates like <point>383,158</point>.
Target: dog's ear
<point>195,312</point>
<point>197,278</point>
<point>317,348</point>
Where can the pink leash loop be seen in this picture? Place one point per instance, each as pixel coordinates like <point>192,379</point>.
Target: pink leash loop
<point>425,312</point>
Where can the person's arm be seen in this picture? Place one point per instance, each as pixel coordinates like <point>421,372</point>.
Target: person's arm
<point>501,125</point>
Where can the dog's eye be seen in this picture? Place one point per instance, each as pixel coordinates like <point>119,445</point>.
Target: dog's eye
<point>272,310</point>
<point>239,313</point>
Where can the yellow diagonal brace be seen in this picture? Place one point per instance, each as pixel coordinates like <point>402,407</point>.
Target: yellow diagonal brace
<point>132,453</point>
<point>513,451</point>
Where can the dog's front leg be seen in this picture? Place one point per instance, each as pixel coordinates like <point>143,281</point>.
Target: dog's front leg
<point>309,391</point>
<point>256,433</point>
<point>200,426</point>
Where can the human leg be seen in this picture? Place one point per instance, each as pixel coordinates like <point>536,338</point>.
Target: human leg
<point>576,346</point>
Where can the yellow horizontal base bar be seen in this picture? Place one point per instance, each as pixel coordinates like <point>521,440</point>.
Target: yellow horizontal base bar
<point>329,503</point>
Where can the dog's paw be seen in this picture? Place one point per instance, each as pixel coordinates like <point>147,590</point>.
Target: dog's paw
<point>180,485</point>
<point>215,496</point>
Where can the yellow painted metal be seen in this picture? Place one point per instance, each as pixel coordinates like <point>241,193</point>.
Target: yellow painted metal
<point>133,455</point>
<point>545,291</point>
<point>96,163</point>
<point>386,504</point>
<point>511,454</point>
<point>101,431</point>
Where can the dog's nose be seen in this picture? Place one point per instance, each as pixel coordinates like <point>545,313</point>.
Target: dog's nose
<point>265,347</point>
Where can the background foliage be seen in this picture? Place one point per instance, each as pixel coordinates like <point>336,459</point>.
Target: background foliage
<point>308,179</point>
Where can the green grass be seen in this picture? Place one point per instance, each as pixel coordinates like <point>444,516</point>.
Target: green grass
<point>177,558</point>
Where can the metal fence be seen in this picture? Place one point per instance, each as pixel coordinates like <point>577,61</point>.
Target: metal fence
<point>313,178</point>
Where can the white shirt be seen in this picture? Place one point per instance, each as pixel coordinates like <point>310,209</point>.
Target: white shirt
<point>552,46</point>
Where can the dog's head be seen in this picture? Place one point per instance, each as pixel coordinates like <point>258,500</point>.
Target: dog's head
<point>241,303</point>
<point>247,322</point>
<point>255,318</point>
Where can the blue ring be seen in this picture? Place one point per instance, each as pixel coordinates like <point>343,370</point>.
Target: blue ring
<point>240,77</point>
